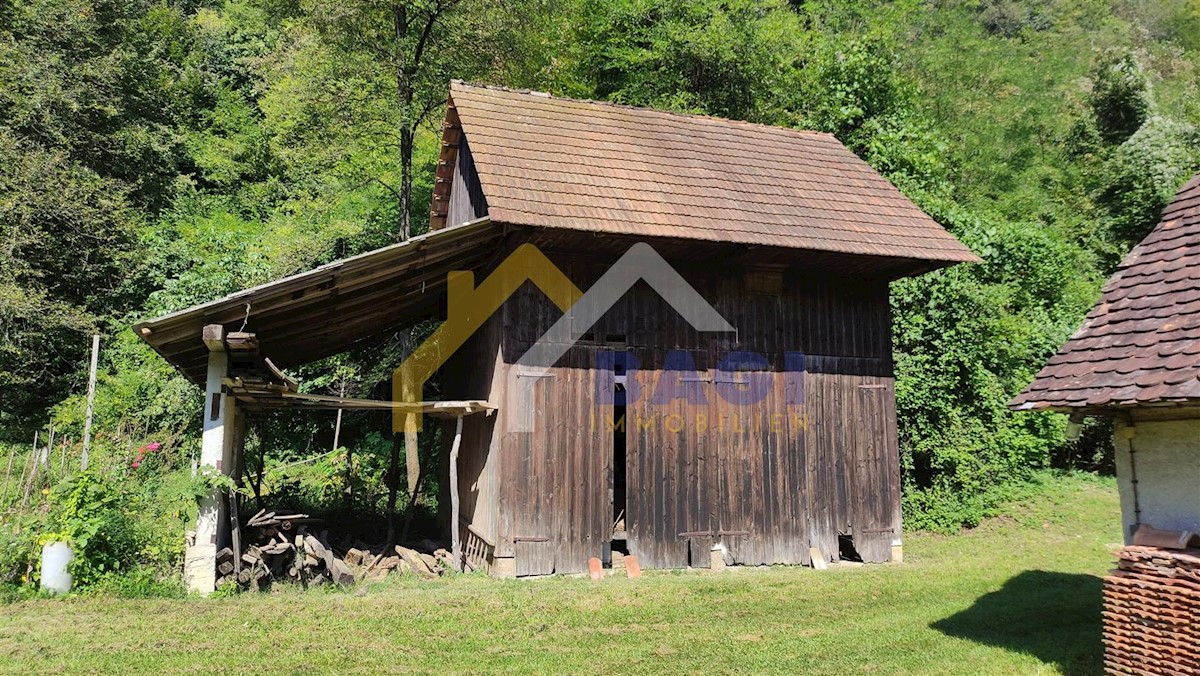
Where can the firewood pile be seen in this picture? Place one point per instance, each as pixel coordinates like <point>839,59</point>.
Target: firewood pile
<point>1152,612</point>
<point>289,547</point>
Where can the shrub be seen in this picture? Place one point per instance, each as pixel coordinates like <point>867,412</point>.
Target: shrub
<point>91,516</point>
<point>139,583</point>
<point>1143,174</point>
<point>1120,97</point>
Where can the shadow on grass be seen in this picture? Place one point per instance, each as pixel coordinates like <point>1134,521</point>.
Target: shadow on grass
<point>1052,616</point>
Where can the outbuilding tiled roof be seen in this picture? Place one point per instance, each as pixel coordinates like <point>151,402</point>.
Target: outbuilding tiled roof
<point>1141,343</point>
<point>583,165</point>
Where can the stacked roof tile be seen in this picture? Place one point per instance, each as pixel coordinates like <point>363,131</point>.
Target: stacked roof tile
<point>562,163</point>
<point>1152,612</point>
<point>1140,344</point>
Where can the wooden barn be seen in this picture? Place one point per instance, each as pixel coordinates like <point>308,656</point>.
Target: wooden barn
<point>646,436</point>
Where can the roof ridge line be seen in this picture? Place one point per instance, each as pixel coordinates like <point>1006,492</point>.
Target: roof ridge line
<point>646,109</point>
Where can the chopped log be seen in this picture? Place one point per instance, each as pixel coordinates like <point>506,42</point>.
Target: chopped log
<point>415,562</point>
<point>353,556</point>
<point>313,546</point>
<point>430,562</point>
<point>340,573</point>
<point>225,568</point>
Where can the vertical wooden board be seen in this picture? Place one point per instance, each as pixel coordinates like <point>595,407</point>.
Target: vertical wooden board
<point>816,441</point>
<point>634,470</point>
<point>795,423</point>
<point>532,517</point>
<point>558,462</point>
<point>781,516</point>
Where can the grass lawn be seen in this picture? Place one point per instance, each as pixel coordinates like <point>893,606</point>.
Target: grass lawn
<point>1019,594</point>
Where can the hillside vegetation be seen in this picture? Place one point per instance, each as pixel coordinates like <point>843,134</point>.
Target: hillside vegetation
<point>158,154</point>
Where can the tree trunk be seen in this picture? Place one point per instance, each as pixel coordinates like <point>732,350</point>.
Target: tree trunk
<point>406,159</point>
<point>404,95</point>
<point>392,481</point>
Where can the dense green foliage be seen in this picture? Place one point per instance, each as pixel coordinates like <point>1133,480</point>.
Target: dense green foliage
<point>158,154</point>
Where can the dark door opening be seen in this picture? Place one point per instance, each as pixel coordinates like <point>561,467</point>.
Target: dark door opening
<point>619,431</point>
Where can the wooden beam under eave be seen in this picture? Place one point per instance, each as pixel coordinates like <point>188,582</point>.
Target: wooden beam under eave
<point>214,337</point>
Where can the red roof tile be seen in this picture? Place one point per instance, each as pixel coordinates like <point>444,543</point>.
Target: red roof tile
<point>1140,344</point>
<point>583,165</point>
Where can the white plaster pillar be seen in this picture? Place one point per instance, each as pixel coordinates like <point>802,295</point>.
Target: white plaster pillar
<point>221,436</point>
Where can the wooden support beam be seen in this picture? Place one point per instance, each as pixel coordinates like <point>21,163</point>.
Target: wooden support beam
<point>214,337</point>
<point>240,341</point>
<point>455,544</point>
<point>91,401</point>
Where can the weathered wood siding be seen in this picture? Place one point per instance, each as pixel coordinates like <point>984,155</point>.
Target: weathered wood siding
<point>477,371</point>
<point>467,201</point>
<point>767,479</point>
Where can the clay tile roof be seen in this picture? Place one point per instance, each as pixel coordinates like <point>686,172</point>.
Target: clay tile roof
<point>563,163</point>
<point>1140,344</point>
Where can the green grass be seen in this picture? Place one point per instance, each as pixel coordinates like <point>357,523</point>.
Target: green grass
<point>1019,594</point>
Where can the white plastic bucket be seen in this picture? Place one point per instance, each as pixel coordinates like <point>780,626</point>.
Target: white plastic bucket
<point>56,559</point>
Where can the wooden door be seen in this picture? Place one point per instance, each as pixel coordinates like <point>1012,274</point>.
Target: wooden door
<point>665,488</point>
<point>562,472</point>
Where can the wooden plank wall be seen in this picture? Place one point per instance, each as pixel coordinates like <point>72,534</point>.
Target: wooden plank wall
<point>467,201</point>
<point>476,372</point>
<point>766,480</point>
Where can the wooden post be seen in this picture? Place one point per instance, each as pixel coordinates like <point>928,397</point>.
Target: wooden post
<point>235,533</point>
<point>62,459</point>
<point>12,453</point>
<point>91,400</point>
<point>49,448</point>
<point>21,481</point>
<point>337,433</point>
<point>455,544</point>
<point>33,465</point>
<point>411,449</point>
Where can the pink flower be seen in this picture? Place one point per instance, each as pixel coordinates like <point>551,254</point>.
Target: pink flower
<point>136,463</point>
<point>154,446</point>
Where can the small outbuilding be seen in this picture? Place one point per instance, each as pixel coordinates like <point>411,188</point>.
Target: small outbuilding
<point>768,436</point>
<point>1136,359</point>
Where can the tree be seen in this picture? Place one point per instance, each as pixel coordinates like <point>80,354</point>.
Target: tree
<point>401,46</point>
<point>731,59</point>
<point>1120,97</point>
<point>91,93</point>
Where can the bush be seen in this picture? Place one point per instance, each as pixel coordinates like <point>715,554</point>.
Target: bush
<point>91,516</point>
<point>1120,97</point>
<point>139,583</point>
<point>1144,172</point>
<point>19,549</point>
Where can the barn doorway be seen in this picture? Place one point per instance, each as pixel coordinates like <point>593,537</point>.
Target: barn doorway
<point>619,542</point>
